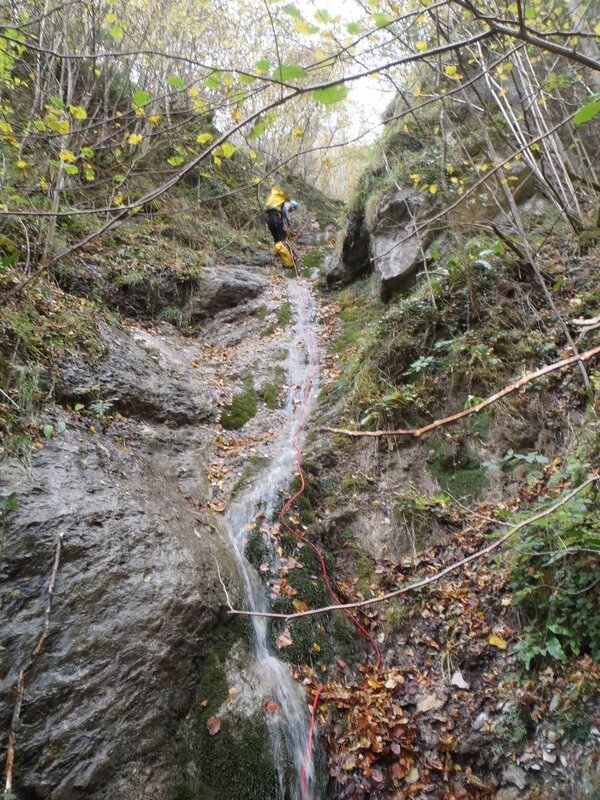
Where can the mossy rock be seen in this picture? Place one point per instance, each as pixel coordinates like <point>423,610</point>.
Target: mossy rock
<point>460,473</point>
<point>241,409</point>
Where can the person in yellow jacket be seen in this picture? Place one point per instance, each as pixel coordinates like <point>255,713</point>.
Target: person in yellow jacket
<point>278,207</point>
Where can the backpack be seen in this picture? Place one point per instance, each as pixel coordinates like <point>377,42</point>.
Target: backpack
<point>283,254</point>
<point>276,199</point>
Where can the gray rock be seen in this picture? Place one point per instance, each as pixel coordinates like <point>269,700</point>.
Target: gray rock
<point>223,287</point>
<point>136,597</point>
<point>479,721</point>
<point>355,256</point>
<point>145,375</point>
<point>515,775</point>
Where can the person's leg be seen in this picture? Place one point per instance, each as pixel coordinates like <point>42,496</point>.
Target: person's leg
<point>275,223</point>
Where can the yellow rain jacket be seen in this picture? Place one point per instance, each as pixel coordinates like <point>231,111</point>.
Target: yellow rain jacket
<point>276,199</point>
<point>283,254</point>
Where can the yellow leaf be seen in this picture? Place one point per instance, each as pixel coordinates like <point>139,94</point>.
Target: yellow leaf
<point>193,91</point>
<point>89,173</point>
<point>301,26</point>
<point>454,179</point>
<point>450,70</point>
<point>217,160</point>
<point>450,169</point>
<point>154,119</point>
<point>415,178</point>
<point>417,91</point>
<point>134,138</point>
<point>320,55</point>
<point>202,138</point>
<point>118,200</point>
<point>67,157</point>
<point>5,127</point>
<point>78,112</point>
<point>433,188</point>
<point>421,45</point>
<point>228,80</point>
<point>256,180</point>
<point>22,164</point>
<point>236,115</point>
<point>597,29</point>
<point>97,72</point>
<point>535,146</point>
<point>298,131</point>
<point>252,153</point>
<point>44,185</point>
<point>139,112</point>
<point>316,648</point>
<point>228,149</point>
<point>497,641</point>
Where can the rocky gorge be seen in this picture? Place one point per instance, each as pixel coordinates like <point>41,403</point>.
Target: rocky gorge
<point>159,455</point>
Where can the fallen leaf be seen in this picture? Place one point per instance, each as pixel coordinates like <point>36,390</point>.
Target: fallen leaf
<point>430,703</point>
<point>497,641</point>
<point>271,707</point>
<point>213,725</point>
<point>458,680</point>
<point>284,639</point>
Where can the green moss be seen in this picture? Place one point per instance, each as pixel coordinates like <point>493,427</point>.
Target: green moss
<point>270,329</point>
<point>271,391</point>
<point>459,473</point>
<point>235,764</point>
<point>254,465</point>
<point>270,395</point>
<point>241,409</point>
<point>256,551</point>
<point>284,315</point>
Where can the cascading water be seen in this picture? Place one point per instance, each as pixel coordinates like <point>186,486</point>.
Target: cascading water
<point>289,729</point>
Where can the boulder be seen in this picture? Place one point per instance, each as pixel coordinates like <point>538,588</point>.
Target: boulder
<point>397,250</point>
<point>221,288</point>
<point>355,257</point>
<point>136,598</point>
<point>144,375</point>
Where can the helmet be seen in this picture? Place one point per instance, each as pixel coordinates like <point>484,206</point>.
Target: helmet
<point>294,204</point>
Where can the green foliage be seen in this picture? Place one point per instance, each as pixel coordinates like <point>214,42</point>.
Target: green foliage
<point>587,112</point>
<point>100,408</point>
<point>555,578</point>
<point>331,95</point>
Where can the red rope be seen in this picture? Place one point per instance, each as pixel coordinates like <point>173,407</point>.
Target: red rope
<point>282,518</point>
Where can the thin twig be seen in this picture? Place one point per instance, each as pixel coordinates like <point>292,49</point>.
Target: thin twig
<point>432,578</point>
<point>438,423</point>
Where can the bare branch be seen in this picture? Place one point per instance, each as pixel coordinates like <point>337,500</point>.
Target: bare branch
<point>432,578</point>
<point>416,433</point>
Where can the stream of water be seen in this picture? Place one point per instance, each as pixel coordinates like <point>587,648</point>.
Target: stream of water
<point>288,728</point>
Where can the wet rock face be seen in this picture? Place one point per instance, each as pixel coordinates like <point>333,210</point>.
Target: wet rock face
<point>221,288</point>
<point>198,295</point>
<point>397,249</point>
<point>355,256</point>
<point>138,592</point>
<point>143,375</point>
<point>136,595</point>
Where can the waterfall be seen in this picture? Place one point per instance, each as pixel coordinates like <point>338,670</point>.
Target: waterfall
<point>290,726</point>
